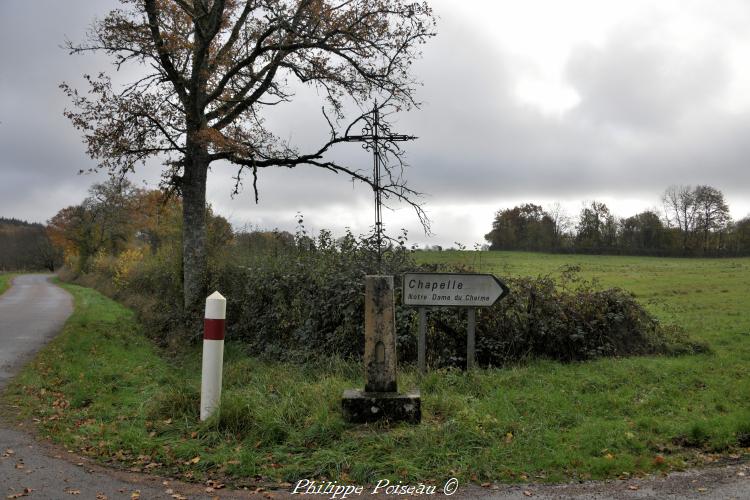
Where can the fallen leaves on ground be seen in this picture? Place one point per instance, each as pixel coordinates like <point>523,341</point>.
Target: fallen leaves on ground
<point>24,493</point>
<point>213,485</point>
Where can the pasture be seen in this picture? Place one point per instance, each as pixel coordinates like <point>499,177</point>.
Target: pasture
<point>539,420</point>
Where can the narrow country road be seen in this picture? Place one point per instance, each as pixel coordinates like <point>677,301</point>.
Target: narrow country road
<point>33,311</point>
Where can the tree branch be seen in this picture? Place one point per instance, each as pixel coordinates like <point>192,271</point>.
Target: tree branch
<point>166,61</point>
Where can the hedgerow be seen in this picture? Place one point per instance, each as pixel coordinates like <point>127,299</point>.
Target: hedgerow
<point>305,300</point>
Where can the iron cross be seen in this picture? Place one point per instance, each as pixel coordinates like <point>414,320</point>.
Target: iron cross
<point>373,137</point>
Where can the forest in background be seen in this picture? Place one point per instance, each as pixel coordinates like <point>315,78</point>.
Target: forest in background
<point>118,217</point>
<point>695,222</point>
<point>26,246</point>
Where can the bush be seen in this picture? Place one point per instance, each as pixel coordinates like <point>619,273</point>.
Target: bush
<point>304,300</point>
<point>542,319</point>
<point>308,301</point>
<point>310,304</point>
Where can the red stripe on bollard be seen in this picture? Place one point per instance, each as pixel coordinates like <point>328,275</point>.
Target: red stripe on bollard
<point>213,329</point>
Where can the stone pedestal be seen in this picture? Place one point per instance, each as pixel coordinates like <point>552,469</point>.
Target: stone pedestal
<point>380,399</point>
<point>360,406</point>
<point>380,335</point>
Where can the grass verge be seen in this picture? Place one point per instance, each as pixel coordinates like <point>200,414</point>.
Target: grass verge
<point>5,280</point>
<point>103,390</point>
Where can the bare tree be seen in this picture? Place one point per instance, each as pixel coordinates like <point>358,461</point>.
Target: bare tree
<point>214,66</point>
<point>697,212</point>
<point>562,221</point>
<point>680,211</point>
<point>712,214</point>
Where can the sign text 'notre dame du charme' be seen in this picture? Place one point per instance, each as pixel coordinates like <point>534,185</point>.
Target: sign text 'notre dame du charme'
<point>452,289</point>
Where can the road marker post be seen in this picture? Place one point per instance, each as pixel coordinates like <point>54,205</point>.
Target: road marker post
<point>213,353</point>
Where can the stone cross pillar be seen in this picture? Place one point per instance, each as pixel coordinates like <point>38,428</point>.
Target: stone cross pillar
<point>380,335</point>
<point>380,399</point>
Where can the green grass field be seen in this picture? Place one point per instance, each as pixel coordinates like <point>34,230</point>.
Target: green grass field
<point>709,297</point>
<point>102,388</point>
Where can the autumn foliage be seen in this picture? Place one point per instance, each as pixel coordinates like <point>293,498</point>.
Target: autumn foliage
<point>117,225</point>
<point>209,74</point>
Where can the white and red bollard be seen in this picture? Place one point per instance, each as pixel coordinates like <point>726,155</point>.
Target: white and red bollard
<point>213,353</point>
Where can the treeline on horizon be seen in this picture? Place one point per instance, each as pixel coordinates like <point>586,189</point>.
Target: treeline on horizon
<point>26,246</point>
<point>117,217</point>
<point>695,222</point>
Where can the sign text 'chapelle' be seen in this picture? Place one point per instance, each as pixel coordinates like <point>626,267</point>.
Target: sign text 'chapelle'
<point>452,289</point>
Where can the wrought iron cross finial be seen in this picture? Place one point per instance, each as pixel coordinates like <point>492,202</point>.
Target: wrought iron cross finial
<point>372,137</point>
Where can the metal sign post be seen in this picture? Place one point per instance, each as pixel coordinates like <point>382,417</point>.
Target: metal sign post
<point>422,341</point>
<point>471,323</point>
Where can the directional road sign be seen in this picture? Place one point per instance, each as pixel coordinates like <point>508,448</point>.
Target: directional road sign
<point>452,289</point>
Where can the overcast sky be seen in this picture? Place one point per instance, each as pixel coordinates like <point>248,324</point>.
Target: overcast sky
<point>523,101</point>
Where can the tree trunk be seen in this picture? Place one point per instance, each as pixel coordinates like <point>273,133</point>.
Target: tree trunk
<point>194,262</point>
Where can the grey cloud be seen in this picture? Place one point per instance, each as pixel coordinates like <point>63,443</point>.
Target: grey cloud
<point>647,119</point>
<point>478,144</point>
<point>639,82</point>
<point>41,152</point>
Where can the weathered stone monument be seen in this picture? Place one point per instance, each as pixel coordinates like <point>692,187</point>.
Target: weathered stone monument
<point>380,399</point>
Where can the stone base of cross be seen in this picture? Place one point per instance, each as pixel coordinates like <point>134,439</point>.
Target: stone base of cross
<point>380,399</point>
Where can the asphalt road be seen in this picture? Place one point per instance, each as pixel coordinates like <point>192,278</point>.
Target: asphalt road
<point>33,311</point>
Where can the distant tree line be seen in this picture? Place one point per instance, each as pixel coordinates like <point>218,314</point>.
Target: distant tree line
<point>694,222</point>
<point>26,247</point>
<point>122,225</point>
<point>119,218</point>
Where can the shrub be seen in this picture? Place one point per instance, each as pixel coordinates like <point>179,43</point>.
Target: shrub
<point>125,265</point>
<point>154,291</point>
<point>311,303</point>
<point>542,319</point>
<point>304,300</point>
<point>307,301</point>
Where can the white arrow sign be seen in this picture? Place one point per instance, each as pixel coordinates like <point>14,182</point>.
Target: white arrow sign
<point>452,289</point>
